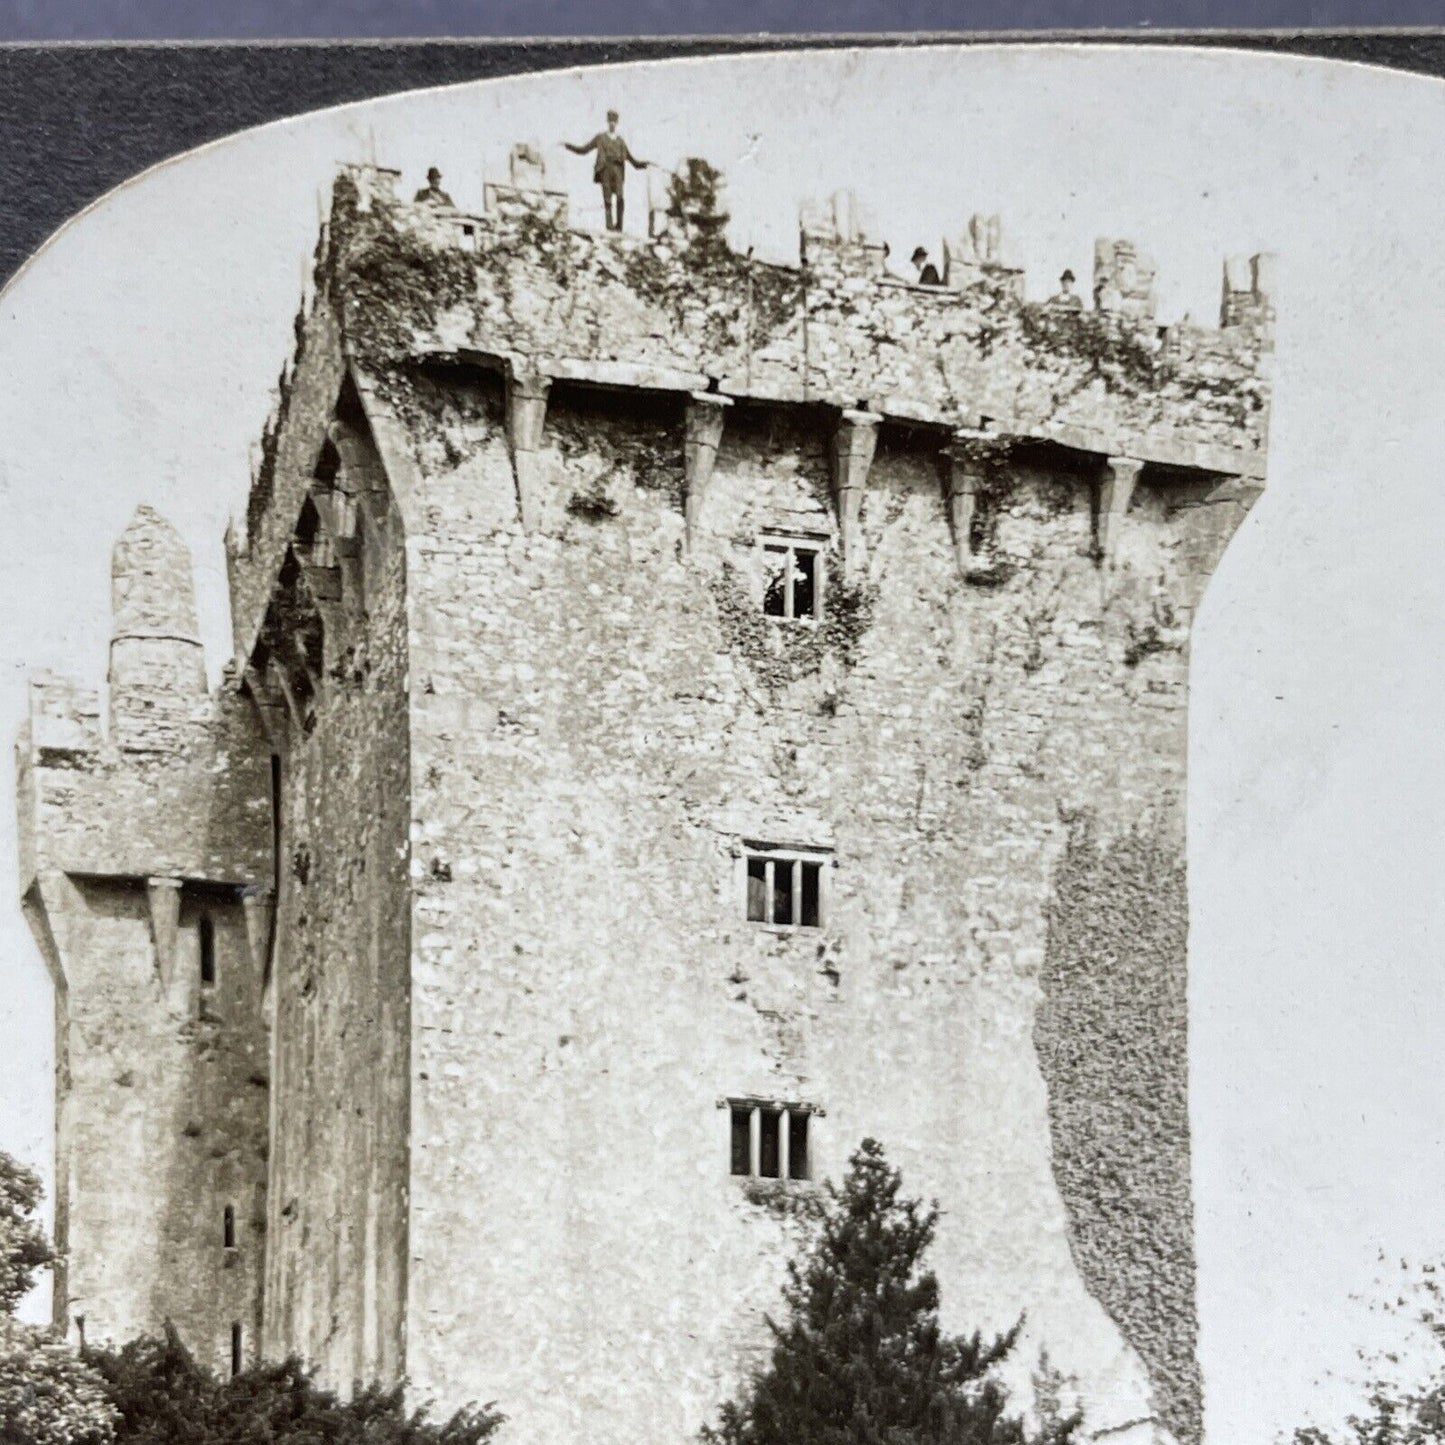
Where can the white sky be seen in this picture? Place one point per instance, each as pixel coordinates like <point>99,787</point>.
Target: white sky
<point>139,351</point>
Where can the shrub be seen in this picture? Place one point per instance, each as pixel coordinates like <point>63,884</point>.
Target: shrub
<point>164,1397</point>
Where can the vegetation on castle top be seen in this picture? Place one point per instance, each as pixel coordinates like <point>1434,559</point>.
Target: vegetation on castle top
<point>694,197</point>
<point>540,286</point>
<point>860,1357</point>
<point>1125,355</point>
<point>397,287</point>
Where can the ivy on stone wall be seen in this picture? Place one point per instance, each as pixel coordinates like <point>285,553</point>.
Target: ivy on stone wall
<point>782,653</point>
<point>397,286</point>
<point>1111,1038</point>
<point>1124,356</point>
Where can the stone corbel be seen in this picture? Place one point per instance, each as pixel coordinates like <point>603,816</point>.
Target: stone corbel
<point>962,468</point>
<point>703,429</point>
<point>258,906</point>
<point>854,443</point>
<point>163,895</point>
<point>1116,489</point>
<point>526,416</point>
<point>968,458</point>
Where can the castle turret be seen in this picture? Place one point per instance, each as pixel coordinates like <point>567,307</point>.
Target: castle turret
<point>157,663</point>
<point>144,857</point>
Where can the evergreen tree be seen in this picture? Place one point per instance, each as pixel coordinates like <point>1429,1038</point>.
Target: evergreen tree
<point>48,1394</point>
<point>860,1358</point>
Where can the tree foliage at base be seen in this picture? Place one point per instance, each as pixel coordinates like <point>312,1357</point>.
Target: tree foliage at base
<point>164,1397</point>
<point>860,1358</point>
<point>23,1245</point>
<point>48,1395</point>
<point>1405,1389</point>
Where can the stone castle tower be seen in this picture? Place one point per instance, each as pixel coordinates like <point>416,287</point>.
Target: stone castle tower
<point>688,714</point>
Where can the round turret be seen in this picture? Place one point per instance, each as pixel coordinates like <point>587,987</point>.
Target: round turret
<point>157,665</point>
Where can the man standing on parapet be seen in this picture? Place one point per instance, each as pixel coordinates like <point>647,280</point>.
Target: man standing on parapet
<point>613,157</point>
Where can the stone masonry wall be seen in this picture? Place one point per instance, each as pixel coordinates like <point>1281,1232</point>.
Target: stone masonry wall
<point>164,1118</point>
<point>512,984</point>
<point>598,722</point>
<point>335,1284</point>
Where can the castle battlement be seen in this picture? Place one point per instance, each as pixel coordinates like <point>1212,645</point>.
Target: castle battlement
<point>678,314</point>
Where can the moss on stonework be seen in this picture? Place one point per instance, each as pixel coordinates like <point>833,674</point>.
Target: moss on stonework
<point>1111,1038</point>
<point>452,413</point>
<point>1124,356</point>
<point>397,287</point>
<point>783,1197</point>
<point>593,503</point>
<point>1158,631</point>
<point>780,653</point>
<point>647,448</point>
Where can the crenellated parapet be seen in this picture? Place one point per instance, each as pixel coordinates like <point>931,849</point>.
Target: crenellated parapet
<point>515,288</point>
<point>680,307</point>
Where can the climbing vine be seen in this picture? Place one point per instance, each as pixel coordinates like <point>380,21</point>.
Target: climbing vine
<point>782,653</point>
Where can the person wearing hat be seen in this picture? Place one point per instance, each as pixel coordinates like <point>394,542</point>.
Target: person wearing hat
<point>1066,297</point>
<point>432,193</point>
<point>613,157</point>
<point>927,271</point>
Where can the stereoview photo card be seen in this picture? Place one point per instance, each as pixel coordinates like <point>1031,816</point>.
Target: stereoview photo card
<point>739,748</point>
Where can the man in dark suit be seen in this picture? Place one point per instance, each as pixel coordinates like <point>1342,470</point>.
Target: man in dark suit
<point>927,271</point>
<point>432,194</point>
<point>613,157</point>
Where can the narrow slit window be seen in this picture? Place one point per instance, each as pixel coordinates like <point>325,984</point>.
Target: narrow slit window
<point>810,913</point>
<point>742,1147</point>
<point>805,582</point>
<point>797,1144</point>
<point>784,888</point>
<point>770,1150</point>
<point>207,931</point>
<point>792,580</point>
<point>228,1227</point>
<point>758,890</point>
<point>237,1355</point>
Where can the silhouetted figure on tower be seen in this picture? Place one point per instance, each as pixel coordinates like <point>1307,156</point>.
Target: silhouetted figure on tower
<point>432,194</point>
<point>613,157</point>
